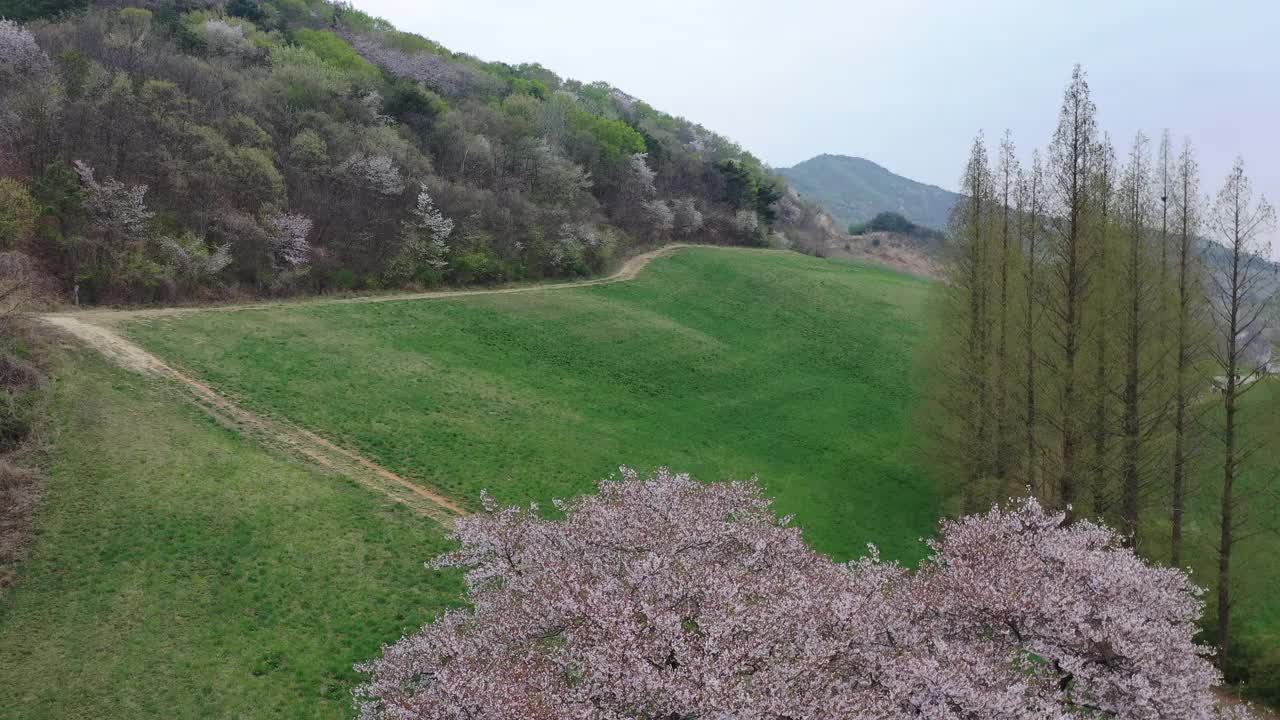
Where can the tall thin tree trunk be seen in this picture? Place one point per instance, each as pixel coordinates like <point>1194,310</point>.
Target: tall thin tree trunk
<point>1101,421</point>
<point>1002,348</point>
<point>1136,183</point>
<point>1226,541</point>
<point>1189,191</point>
<point>1033,231</point>
<point>978,356</point>
<point>1131,428</point>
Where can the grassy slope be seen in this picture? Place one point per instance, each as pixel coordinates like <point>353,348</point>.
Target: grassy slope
<point>723,363</point>
<point>1255,561</point>
<point>179,572</point>
<point>182,573</point>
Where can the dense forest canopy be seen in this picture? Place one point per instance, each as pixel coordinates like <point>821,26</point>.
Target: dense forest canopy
<point>169,149</point>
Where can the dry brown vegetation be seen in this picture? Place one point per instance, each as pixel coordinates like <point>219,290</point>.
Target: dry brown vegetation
<point>21,409</point>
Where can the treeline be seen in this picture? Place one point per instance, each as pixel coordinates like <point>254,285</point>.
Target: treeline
<point>1091,342</point>
<point>174,149</point>
<point>892,222</point>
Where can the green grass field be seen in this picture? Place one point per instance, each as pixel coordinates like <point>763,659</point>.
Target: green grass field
<point>722,363</point>
<point>180,573</point>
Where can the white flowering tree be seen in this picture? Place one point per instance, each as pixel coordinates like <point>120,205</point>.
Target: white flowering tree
<point>287,235</point>
<point>117,230</point>
<point>21,59</point>
<point>667,599</point>
<point>378,173</point>
<point>687,218</point>
<point>226,38</point>
<point>424,249</point>
<point>194,262</point>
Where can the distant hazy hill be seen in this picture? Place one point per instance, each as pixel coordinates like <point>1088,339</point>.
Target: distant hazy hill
<point>853,190</point>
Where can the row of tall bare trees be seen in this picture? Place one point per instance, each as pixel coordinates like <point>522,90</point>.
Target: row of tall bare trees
<point>1092,339</point>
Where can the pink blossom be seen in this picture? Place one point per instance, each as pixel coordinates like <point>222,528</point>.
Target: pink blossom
<point>665,598</point>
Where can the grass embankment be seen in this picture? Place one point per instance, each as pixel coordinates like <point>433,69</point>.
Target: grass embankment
<point>722,363</point>
<point>180,572</point>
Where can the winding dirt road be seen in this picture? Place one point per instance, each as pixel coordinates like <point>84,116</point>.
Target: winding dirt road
<point>96,328</point>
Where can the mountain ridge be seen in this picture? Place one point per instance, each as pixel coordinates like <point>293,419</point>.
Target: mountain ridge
<point>854,189</point>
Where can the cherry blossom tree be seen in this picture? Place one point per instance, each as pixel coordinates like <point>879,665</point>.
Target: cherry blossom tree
<point>117,210</point>
<point>376,172</point>
<point>665,598</point>
<point>20,57</point>
<point>287,233</point>
<point>424,249</point>
<point>687,217</point>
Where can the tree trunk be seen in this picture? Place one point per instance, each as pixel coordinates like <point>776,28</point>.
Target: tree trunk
<point>1226,540</point>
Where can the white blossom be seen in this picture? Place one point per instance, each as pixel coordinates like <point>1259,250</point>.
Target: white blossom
<point>287,233</point>
<point>225,38</point>
<point>21,59</point>
<point>116,209</point>
<point>378,172</point>
<point>425,236</point>
<point>687,218</point>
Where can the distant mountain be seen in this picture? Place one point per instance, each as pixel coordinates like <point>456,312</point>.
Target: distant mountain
<point>854,190</point>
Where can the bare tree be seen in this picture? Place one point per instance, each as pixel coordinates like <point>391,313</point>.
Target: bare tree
<point>1186,194</point>
<point>1240,305</point>
<point>20,283</point>
<point>1070,167</point>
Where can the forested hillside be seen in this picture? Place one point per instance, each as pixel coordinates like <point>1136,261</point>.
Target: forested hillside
<point>855,190</point>
<point>183,149</point>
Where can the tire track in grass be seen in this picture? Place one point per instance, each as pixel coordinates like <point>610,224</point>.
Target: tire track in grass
<point>96,328</point>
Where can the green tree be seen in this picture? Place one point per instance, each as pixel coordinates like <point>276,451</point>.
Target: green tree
<point>18,213</point>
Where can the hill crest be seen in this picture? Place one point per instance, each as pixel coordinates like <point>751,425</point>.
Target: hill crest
<point>853,190</point>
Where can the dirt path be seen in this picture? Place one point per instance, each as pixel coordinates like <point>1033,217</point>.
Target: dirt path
<point>629,270</point>
<point>96,329</point>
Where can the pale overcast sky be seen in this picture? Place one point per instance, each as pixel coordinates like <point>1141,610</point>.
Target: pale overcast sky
<point>905,83</point>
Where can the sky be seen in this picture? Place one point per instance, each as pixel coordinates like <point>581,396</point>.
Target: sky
<point>905,83</point>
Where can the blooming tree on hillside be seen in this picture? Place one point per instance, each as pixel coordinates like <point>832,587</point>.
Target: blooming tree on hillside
<point>20,57</point>
<point>424,249</point>
<point>664,598</point>
<point>287,234</point>
<point>117,211</point>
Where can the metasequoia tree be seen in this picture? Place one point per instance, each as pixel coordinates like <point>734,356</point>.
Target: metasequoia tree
<point>1032,202</point>
<point>1187,340</point>
<point>1241,305</point>
<point>665,598</point>
<point>1007,175</point>
<point>967,398</point>
<point>1135,195</point>
<point>1070,169</point>
<point>1104,194</point>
